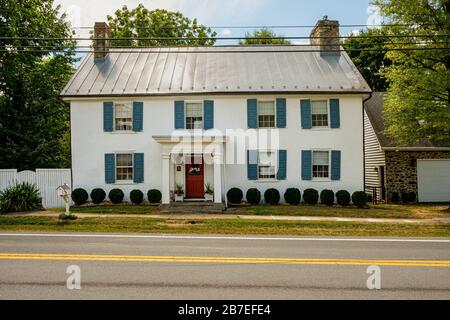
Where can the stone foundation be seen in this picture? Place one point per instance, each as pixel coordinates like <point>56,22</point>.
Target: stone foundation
<point>401,168</point>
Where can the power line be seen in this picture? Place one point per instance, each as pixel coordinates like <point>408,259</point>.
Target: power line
<point>227,51</point>
<point>242,27</point>
<point>37,46</point>
<point>229,38</point>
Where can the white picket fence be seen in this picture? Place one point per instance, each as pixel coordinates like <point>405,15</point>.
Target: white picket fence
<point>47,180</point>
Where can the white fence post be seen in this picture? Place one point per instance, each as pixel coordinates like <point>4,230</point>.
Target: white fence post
<point>46,180</point>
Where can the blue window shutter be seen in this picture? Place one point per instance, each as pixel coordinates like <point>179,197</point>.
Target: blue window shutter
<point>138,167</point>
<point>252,113</point>
<point>252,164</point>
<point>306,164</point>
<point>208,110</point>
<point>110,168</point>
<point>334,114</point>
<point>179,114</point>
<point>282,164</point>
<point>335,165</point>
<point>305,111</point>
<point>138,116</point>
<point>281,113</point>
<point>108,116</point>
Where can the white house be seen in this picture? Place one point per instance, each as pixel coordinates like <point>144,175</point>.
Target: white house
<point>229,116</point>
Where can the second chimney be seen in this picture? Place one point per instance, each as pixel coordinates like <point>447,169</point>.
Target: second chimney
<point>101,40</point>
<point>326,35</point>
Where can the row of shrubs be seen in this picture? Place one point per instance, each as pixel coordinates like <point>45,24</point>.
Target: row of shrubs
<point>98,195</point>
<point>404,196</point>
<point>293,196</point>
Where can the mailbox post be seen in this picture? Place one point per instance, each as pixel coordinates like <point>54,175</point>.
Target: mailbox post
<point>64,192</point>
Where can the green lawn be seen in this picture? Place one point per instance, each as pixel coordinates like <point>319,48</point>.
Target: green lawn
<point>416,211</point>
<point>115,209</point>
<point>222,226</point>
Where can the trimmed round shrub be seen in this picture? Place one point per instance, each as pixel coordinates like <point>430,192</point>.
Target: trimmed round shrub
<point>343,197</point>
<point>154,196</point>
<point>369,198</point>
<point>311,196</point>
<point>412,196</point>
<point>98,195</point>
<point>136,196</point>
<point>292,196</point>
<point>327,197</point>
<point>359,199</point>
<point>395,197</point>
<point>235,195</point>
<point>253,196</point>
<point>272,196</point>
<point>79,196</point>
<point>116,196</point>
<point>405,196</point>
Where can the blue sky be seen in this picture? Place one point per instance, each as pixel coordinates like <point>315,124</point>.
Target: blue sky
<point>233,12</point>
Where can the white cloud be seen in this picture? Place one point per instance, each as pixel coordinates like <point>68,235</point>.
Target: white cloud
<point>86,12</point>
<point>226,32</point>
<point>374,14</point>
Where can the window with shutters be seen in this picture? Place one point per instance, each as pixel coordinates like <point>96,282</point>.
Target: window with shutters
<point>319,113</point>
<point>194,116</point>
<point>123,115</point>
<point>266,114</point>
<point>321,164</point>
<point>124,167</point>
<point>266,165</point>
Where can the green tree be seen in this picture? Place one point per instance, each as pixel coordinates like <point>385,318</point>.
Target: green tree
<point>418,101</point>
<point>32,74</point>
<point>159,23</point>
<point>370,62</point>
<point>252,38</point>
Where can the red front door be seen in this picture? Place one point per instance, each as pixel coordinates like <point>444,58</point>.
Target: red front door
<point>194,177</point>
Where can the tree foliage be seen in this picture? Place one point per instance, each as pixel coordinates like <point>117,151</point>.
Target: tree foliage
<point>33,118</point>
<point>418,102</point>
<point>370,63</point>
<point>252,38</point>
<point>141,22</point>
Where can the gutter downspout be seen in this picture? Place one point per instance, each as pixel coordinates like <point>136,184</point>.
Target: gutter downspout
<point>364,141</point>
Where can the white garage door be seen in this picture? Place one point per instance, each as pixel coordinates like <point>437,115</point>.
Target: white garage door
<point>433,179</point>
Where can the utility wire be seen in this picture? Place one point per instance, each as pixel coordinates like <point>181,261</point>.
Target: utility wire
<point>229,38</point>
<point>12,51</point>
<point>240,27</point>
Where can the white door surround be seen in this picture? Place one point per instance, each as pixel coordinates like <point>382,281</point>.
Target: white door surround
<point>176,148</point>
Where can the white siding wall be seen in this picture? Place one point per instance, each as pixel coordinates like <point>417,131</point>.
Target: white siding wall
<point>90,143</point>
<point>374,155</point>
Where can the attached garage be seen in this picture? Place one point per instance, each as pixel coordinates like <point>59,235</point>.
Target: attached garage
<point>433,180</point>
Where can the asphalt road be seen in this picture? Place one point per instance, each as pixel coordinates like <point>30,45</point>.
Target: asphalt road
<point>219,267</point>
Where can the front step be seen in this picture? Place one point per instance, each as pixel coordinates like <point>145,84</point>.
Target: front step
<point>192,207</point>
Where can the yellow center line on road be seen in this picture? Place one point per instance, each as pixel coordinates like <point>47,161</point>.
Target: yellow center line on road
<point>228,260</point>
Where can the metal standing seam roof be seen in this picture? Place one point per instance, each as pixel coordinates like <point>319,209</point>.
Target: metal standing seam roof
<point>214,70</point>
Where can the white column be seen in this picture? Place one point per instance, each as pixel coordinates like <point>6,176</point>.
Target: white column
<point>165,178</point>
<point>217,178</point>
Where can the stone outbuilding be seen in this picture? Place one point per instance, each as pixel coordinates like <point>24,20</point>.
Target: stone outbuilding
<point>422,168</point>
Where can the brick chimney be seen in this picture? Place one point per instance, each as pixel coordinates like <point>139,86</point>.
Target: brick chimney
<point>326,28</point>
<point>101,42</point>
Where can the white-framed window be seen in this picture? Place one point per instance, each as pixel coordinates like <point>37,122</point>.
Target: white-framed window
<point>321,164</point>
<point>266,114</point>
<point>124,166</point>
<point>266,165</point>
<point>123,116</point>
<point>319,113</point>
<point>194,115</point>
